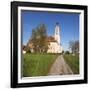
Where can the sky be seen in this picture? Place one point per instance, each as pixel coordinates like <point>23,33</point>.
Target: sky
<point>68,22</point>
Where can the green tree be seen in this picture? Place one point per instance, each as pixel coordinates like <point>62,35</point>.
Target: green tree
<point>38,38</point>
<point>67,52</point>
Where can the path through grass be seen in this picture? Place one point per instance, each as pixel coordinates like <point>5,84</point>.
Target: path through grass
<point>37,64</point>
<point>73,62</point>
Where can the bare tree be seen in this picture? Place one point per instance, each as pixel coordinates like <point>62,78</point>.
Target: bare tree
<point>74,46</point>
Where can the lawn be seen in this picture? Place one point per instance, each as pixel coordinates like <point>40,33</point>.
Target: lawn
<point>37,64</point>
<point>73,62</point>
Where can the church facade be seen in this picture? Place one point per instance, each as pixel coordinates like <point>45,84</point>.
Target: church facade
<point>55,44</point>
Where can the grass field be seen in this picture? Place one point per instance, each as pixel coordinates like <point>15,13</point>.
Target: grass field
<point>37,64</point>
<point>73,62</point>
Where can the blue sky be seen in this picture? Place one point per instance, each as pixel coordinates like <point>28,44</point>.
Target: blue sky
<point>69,25</point>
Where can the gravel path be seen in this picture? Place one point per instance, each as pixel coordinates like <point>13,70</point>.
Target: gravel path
<point>60,67</point>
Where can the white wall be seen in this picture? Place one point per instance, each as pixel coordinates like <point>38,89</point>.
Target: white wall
<point>5,46</point>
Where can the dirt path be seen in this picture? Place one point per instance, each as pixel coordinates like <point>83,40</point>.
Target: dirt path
<point>60,67</point>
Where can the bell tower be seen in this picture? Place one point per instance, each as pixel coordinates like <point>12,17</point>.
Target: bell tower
<point>57,33</point>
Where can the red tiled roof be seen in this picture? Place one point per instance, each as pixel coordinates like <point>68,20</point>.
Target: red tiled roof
<point>50,39</point>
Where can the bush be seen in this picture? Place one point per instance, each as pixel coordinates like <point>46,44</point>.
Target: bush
<point>67,52</point>
<point>28,51</point>
<point>62,52</point>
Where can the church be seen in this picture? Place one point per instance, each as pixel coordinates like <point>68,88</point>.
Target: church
<point>54,42</point>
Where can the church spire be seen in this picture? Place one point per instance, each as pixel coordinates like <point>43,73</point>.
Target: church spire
<point>57,33</point>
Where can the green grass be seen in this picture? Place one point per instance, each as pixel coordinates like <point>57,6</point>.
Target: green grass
<point>37,64</point>
<point>73,62</point>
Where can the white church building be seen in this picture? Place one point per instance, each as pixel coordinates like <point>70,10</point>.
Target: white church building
<point>55,43</point>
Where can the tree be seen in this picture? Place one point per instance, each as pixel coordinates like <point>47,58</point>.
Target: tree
<point>38,38</point>
<point>74,46</point>
<point>67,52</point>
<point>63,52</point>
